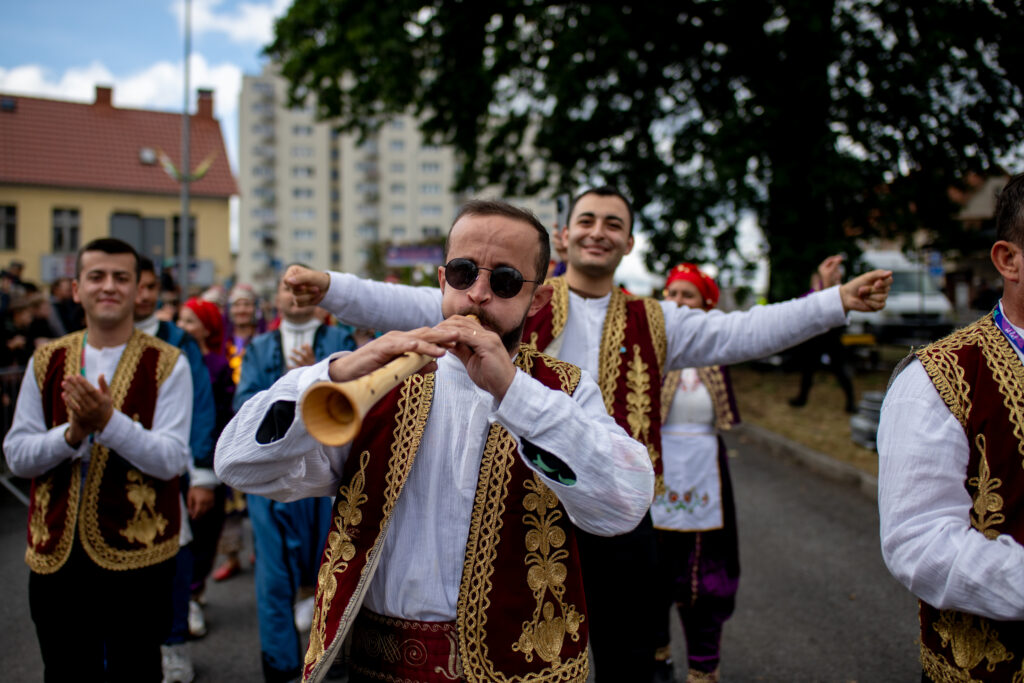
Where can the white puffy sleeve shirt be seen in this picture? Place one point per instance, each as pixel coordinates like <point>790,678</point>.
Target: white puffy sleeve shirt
<point>422,558</point>
<point>927,540</point>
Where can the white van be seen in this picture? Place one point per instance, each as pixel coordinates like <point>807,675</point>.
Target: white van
<point>916,312</point>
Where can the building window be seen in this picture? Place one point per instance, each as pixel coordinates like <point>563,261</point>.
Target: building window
<point>303,214</point>
<point>302,151</point>
<point>430,210</point>
<point>397,124</point>
<point>302,192</point>
<point>397,188</point>
<point>302,171</point>
<point>65,231</point>
<point>397,209</point>
<point>302,234</point>
<point>397,167</point>
<point>367,231</point>
<point>263,171</point>
<point>397,231</point>
<point>175,236</point>
<point>302,130</point>
<point>263,87</point>
<point>303,256</point>
<point>431,231</point>
<point>430,167</point>
<point>396,145</point>
<point>430,188</point>
<point>8,227</point>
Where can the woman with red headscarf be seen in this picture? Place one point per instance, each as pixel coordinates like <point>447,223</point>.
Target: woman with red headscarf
<point>694,519</point>
<point>204,322</point>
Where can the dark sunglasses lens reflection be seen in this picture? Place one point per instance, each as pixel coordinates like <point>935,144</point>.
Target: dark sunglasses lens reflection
<point>505,282</point>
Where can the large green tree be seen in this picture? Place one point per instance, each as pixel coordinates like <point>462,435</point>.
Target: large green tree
<point>816,117</point>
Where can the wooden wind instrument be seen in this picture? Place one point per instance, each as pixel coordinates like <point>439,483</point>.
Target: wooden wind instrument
<point>334,411</point>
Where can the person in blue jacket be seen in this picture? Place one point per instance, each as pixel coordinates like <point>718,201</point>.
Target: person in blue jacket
<point>288,537</point>
<point>198,485</point>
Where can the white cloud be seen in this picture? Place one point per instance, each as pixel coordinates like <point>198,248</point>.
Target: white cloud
<point>246,22</point>
<point>157,86</point>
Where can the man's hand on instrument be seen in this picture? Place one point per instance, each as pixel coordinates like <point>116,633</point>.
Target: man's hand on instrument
<point>830,271</point>
<point>867,292</point>
<point>429,341</point>
<point>307,286</point>
<point>484,355</point>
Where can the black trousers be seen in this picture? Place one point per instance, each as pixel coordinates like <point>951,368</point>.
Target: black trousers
<point>620,583</point>
<point>99,625</point>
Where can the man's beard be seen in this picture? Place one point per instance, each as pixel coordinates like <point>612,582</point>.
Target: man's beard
<point>510,338</point>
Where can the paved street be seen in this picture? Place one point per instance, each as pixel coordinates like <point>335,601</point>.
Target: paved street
<point>815,601</point>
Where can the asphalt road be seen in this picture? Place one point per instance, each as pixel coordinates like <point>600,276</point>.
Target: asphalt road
<point>815,601</point>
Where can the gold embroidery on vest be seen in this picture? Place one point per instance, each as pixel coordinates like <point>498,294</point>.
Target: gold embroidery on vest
<point>413,408</point>
<point>533,340</point>
<point>656,324</point>
<point>711,377</point>
<point>971,640</point>
<point>92,539</point>
<point>37,527</point>
<point>638,410</point>
<point>1004,364</point>
<point>559,305</point>
<point>146,524</point>
<point>986,500</point>
<point>546,575</point>
<point>51,562</point>
<point>668,391</point>
<point>339,552</point>
<point>481,553</point>
<point>610,357</point>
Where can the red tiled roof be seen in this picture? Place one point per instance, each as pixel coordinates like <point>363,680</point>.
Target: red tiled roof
<point>96,147</point>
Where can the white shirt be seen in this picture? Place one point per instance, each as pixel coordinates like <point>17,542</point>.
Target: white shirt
<point>422,557</point>
<point>294,336</point>
<point>695,338</point>
<point>161,452</point>
<point>927,540</point>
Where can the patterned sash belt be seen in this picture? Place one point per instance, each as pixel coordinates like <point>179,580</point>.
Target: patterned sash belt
<point>403,651</point>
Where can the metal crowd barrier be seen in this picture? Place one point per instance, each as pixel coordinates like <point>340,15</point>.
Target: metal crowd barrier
<point>10,384</point>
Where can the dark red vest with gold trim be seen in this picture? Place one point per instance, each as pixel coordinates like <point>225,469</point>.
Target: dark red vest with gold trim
<point>981,379</point>
<point>125,519</point>
<point>630,361</point>
<point>521,612</point>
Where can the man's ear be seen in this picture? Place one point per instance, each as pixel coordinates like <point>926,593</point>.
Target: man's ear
<point>74,291</point>
<point>629,244</point>
<point>541,296</point>
<point>1006,257</point>
<point>440,278</point>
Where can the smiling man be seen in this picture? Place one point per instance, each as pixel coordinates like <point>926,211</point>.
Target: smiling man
<point>458,502</point>
<point>101,428</point>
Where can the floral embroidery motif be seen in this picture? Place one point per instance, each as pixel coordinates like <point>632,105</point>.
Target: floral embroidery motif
<point>546,576</point>
<point>37,525</point>
<point>339,552</point>
<point>688,501</point>
<point>986,500</point>
<point>146,524</point>
<point>971,640</point>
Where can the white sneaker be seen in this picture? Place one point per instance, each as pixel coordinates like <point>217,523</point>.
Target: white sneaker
<point>196,620</point>
<point>304,613</point>
<point>177,663</point>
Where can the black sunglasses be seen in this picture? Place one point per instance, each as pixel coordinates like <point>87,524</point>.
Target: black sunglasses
<point>505,281</point>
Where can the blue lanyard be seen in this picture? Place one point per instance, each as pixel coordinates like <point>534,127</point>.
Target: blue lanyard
<point>1003,324</point>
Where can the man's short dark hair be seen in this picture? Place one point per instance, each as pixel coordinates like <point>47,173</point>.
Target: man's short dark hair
<point>108,245</point>
<point>1010,211</point>
<point>146,265</point>
<point>605,191</point>
<point>495,207</point>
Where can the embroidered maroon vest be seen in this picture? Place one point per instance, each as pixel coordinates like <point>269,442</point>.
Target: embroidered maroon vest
<point>521,611</point>
<point>630,361</point>
<point>981,379</point>
<point>125,519</point>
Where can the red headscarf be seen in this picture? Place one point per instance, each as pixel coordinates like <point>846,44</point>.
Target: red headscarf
<point>209,316</point>
<point>703,282</point>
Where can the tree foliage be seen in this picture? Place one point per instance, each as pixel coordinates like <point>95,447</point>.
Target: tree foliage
<point>818,118</point>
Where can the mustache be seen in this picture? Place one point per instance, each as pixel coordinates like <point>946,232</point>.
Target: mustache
<point>486,320</point>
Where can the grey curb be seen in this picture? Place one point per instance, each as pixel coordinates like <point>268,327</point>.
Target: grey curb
<point>814,460</point>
